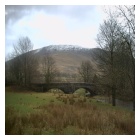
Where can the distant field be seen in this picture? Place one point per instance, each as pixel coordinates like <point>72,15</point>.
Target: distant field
<point>56,113</point>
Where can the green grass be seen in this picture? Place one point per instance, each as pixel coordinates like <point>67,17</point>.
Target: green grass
<point>49,114</point>
<point>27,102</point>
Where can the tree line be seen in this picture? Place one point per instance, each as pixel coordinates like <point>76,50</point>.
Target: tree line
<point>24,67</point>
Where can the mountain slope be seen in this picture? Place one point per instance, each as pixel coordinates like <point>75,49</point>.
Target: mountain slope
<point>67,60</point>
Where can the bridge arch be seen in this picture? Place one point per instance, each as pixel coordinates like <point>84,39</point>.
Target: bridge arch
<point>86,90</point>
<point>55,90</point>
<point>59,88</point>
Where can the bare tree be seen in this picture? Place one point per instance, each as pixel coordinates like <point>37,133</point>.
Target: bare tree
<point>86,71</point>
<point>117,40</point>
<point>107,40</point>
<point>23,64</point>
<point>127,32</point>
<point>48,68</point>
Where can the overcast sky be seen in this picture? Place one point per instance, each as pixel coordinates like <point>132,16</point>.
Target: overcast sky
<point>53,25</point>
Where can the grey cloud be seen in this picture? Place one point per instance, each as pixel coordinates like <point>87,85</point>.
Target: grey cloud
<point>14,12</point>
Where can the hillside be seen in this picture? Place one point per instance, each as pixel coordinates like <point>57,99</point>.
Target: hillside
<point>67,60</point>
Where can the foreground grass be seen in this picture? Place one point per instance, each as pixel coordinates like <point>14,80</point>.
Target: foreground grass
<point>48,113</point>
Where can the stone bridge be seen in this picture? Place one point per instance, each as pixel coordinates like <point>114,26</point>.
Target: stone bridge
<point>67,88</point>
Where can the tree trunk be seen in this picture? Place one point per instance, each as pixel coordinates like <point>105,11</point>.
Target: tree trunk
<point>113,97</point>
<point>134,103</point>
<point>134,97</point>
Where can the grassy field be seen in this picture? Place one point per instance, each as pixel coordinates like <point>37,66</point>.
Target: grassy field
<point>56,113</point>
